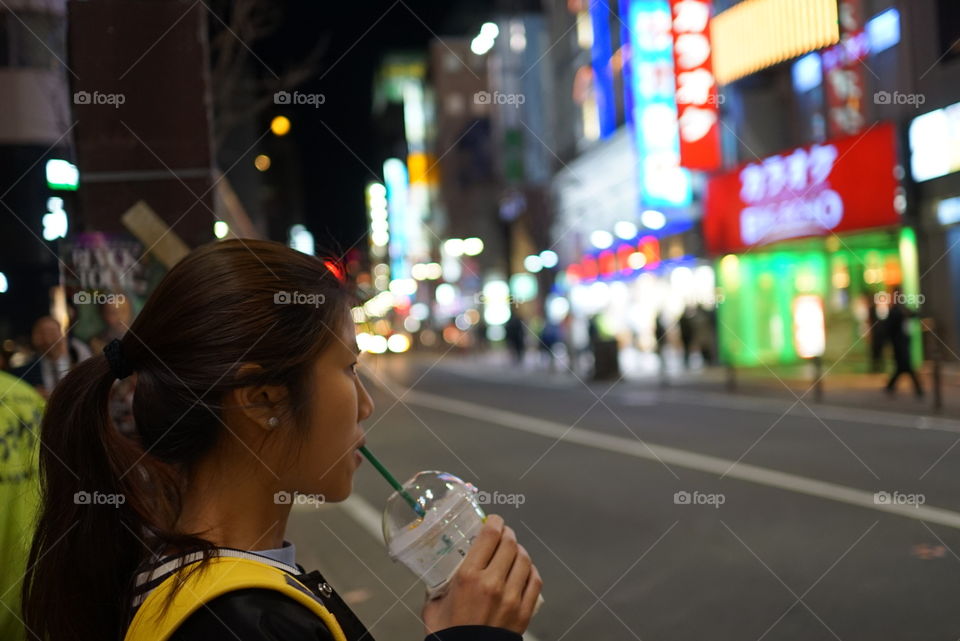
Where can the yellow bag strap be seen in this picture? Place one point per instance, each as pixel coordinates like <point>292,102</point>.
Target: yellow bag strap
<point>219,576</point>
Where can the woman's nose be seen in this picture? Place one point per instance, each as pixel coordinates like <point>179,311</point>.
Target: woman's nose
<point>365,405</point>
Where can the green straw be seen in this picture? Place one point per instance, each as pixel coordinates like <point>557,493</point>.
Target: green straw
<point>392,481</point>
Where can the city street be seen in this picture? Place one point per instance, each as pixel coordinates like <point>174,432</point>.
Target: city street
<point>782,536</point>
<point>672,286</point>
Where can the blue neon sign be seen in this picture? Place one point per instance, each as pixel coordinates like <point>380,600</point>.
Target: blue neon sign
<point>663,182</point>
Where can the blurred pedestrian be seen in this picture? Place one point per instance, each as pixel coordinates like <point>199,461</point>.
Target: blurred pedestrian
<point>241,404</point>
<point>54,355</point>
<point>706,324</point>
<point>877,334</point>
<point>515,337</point>
<point>21,409</point>
<point>549,336</point>
<point>660,338</point>
<point>593,331</point>
<point>116,317</point>
<point>687,334</point>
<point>898,332</point>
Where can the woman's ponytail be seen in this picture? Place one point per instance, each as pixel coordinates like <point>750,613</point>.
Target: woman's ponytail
<point>97,514</point>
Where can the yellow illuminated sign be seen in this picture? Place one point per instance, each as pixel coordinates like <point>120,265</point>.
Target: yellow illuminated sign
<point>422,168</point>
<point>757,34</point>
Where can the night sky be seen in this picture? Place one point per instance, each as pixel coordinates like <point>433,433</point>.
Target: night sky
<point>333,178</point>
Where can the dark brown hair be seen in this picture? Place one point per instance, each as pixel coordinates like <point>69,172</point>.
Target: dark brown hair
<point>225,304</point>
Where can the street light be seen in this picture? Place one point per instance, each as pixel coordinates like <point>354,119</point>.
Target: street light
<point>280,126</point>
<point>625,229</point>
<point>549,258</point>
<point>653,219</point>
<point>472,246</point>
<point>484,41</point>
<point>601,239</point>
<point>453,246</point>
<point>532,264</point>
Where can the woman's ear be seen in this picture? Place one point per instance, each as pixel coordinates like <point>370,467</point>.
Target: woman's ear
<point>262,406</point>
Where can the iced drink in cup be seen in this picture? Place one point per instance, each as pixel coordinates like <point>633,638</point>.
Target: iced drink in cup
<point>433,545</point>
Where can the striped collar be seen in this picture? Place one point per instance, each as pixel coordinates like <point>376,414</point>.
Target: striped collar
<point>147,580</point>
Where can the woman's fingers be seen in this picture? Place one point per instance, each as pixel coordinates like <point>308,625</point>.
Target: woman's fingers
<point>485,545</point>
<point>503,558</point>
<point>531,592</point>
<point>519,574</point>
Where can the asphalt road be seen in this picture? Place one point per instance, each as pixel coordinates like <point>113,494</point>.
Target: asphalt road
<point>777,532</point>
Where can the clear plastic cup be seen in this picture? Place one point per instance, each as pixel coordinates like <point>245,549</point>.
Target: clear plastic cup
<point>433,546</point>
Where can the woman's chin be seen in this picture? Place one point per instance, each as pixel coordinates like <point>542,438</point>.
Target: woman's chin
<point>339,494</point>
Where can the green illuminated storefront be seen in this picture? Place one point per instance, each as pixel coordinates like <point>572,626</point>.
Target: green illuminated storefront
<point>759,288</point>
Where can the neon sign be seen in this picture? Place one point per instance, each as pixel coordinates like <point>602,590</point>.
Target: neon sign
<point>809,191</point>
<point>697,97</point>
<point>663,182</point>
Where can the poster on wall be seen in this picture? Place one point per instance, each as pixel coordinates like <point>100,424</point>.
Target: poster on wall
<point>107,279</point>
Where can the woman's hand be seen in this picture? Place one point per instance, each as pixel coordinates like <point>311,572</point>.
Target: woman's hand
<point>495,585</point>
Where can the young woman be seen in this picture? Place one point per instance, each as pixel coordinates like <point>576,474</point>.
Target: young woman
<point>244,360</point>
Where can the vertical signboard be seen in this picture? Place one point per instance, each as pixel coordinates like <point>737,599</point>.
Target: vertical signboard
<point>697,96</point>
<point>844,73</point>
<point>663,182</point>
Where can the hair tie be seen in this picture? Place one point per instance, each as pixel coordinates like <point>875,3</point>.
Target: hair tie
<point>118,364</point>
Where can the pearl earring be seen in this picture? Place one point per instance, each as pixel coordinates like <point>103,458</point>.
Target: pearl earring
<point>273,421</point>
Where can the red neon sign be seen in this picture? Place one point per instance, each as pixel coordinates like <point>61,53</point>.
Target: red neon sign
<point>649,246</point>
<point>623,258</point>
<point>612,262</point>
<point>697,96</point>
<point>842,185</point>
<point>608,263</point>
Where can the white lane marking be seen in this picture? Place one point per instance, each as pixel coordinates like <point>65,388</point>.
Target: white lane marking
<point>682,458</point>
<point>826,412</point>
<point>370,520</point>
<point>364,514</point>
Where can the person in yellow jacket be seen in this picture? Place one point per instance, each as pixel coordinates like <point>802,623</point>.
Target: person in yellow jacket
<point>21,408</point>
<point>244,362</point>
